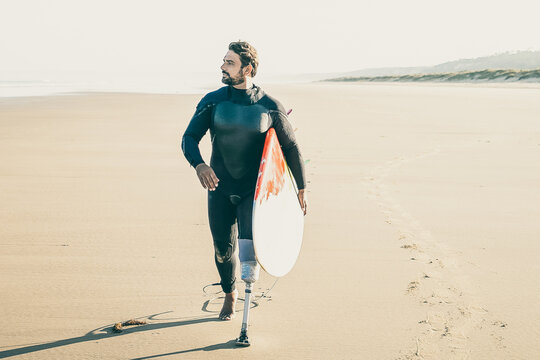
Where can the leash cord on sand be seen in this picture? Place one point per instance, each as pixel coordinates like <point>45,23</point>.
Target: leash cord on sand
<point>263,295</point>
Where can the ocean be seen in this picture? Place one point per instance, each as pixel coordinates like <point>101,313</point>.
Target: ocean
<point>158,84</point>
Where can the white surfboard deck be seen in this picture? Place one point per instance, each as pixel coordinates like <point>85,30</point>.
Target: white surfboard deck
<point>278,220</point>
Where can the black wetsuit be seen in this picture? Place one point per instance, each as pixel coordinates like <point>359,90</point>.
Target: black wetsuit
<point>238,121</point>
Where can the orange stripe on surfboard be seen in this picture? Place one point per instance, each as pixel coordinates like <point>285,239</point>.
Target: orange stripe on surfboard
<point>272,170</point>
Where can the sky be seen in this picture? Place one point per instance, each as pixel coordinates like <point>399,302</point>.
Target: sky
<point>65,38</point>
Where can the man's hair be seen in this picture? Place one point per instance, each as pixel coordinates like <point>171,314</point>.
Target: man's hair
<point>247,53</point>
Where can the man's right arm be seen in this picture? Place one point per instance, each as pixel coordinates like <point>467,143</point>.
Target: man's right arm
<point>198,126</point>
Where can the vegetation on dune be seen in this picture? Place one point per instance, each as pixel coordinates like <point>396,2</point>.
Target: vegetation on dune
<point>487,75</point>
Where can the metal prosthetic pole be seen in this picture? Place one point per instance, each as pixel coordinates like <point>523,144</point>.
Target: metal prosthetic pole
<point>243,339</point>
<point>250,274</point>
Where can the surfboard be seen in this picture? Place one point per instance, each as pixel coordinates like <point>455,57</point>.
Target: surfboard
<point>278,220</point>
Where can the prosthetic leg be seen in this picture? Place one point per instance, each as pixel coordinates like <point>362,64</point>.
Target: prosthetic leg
<point>250,274</point>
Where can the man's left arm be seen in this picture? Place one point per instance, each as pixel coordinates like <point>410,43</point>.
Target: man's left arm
<point>291,151</point>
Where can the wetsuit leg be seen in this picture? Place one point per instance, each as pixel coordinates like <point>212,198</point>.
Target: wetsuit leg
<point>244,213</point>
<point>222,219</point>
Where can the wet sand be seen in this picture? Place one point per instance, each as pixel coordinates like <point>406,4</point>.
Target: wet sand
<point>421,239</point>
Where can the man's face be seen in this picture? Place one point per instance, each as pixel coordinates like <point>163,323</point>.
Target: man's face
<point>231,69</point>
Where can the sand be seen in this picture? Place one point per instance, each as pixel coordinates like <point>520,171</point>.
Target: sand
<point>421,240</point>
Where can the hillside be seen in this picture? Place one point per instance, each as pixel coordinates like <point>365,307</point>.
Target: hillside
<point>463,76</point>
<point>521,60</point>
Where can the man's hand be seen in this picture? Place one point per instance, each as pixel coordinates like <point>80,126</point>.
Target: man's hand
<point>207,176</point>
<point>302,198</point>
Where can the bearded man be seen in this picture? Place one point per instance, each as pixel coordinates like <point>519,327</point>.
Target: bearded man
<point>238,116</point>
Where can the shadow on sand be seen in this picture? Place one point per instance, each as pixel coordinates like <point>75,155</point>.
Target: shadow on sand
<point>231,344</point>
<point>106,332</point>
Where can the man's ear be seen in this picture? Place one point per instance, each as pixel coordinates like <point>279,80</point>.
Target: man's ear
<point>247,70</point>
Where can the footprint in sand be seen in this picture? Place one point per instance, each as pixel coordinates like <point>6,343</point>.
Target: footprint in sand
<point>451,316</point>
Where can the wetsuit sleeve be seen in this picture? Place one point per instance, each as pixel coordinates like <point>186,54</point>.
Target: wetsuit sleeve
<point>198,126</point>
<point>287,140</point>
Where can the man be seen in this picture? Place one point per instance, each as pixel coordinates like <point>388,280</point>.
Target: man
<point>238,116</point>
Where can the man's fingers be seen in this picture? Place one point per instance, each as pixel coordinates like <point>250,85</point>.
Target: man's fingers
<point>201,179</point>
<point>205,182</point>
<point>303,201</point>
<point>214,177</point>
<point>211,184</point>
<point>211,180</point>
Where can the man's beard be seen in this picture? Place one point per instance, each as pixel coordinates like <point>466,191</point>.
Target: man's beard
<point>227,79</point>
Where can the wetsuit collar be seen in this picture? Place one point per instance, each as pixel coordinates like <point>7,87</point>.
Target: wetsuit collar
<point>245,96</point>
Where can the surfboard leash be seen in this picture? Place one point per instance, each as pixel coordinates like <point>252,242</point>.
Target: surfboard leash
<point>263,295</point>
